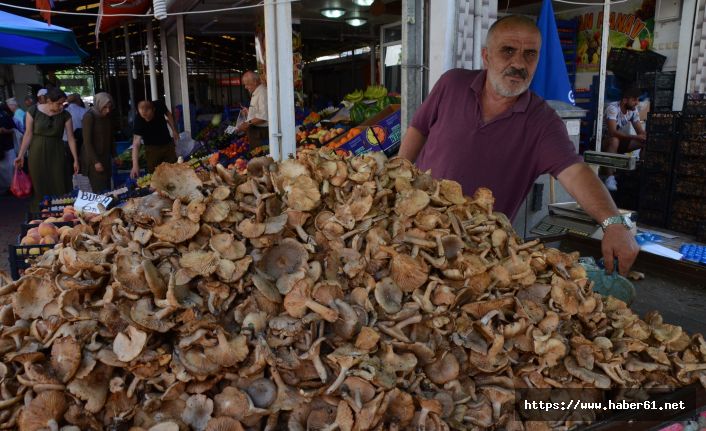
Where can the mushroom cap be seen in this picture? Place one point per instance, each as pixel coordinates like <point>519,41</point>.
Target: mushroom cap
<point>32,295</point>
<point>409,273</point>
<point>443,370</point>
<point>216,211</point>
<point>410,202</point>
<point>451,191</point>
<point>130,273</point>
<point>178,181</point>
<point>453,245</point>
<point>223,424</point>
<point>303,194</point>
<point>286,258</point>
<point>195,210</point>
<point>227,246</point>
<point>148,208</point>
<point>258,166</point>
<point>290,169</point>
<point>128,345</point>
<point>232,402</point>
<point>388,295</point>
<point>93,389</point>
<point>221,193</point>
<point>262,392</point>
<point>165,426</point>
<point>203,263</point>
<point>198,411</point>
<point>143,314</point>
<point>45,407</point>
<point>251,229</point>
<point>176,230</point>
<point>65,358</point>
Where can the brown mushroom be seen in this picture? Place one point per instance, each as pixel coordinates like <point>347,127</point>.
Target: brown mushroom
<point>178,181</point>
<point>44,411</point>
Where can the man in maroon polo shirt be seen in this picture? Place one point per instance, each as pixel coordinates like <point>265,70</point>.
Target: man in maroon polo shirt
<point>486,129</point>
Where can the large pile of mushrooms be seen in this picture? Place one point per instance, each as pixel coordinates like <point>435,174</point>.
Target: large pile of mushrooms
<point>318,293</point>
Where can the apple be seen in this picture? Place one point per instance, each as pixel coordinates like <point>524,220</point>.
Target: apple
<point>47,229</point>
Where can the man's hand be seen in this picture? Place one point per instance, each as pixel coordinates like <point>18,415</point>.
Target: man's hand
<point>641,138</point>
<point>243,126</point>
<point>135,172</point>
<point>618,242</point>
<point>98,166</point>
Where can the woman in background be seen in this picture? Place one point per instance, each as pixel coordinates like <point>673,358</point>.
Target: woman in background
<point>45,126</point>
<point>98,143</point>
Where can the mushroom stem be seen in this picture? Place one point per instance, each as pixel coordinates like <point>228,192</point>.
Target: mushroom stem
<point>482,229</point>
<point>526,245</point>
<point>438,263</point>
<point>313,355</point>
<point>328,314</point>
<point>339,380</point>
<point>418,241</point>
<point>408,321</point>
<point>10,402</point>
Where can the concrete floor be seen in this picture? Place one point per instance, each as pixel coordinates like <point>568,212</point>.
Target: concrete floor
<point>13,212</point>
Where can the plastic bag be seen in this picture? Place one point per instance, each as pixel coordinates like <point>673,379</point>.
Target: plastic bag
<point>242,117</point>
<point>184,145</point>
<point>21,185</point>
<point>81,182</point>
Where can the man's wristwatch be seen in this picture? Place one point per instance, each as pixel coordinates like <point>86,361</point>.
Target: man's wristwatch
<point>617,219</point>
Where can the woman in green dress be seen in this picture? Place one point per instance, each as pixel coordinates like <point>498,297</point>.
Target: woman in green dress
<point>45,126</point>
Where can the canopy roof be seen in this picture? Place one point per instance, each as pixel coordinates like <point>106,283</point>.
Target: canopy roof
<point>25,41</point>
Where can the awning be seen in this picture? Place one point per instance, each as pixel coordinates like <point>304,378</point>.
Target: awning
<point>25,41</point>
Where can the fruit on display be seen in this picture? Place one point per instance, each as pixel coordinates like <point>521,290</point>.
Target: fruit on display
<point>312,118</point>
<point>319,134</point>
<point>317,293</point>
<point>354,97</point>
<point>375,92</point>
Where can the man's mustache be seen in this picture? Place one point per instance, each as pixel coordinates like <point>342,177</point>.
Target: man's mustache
<point>515,72</point>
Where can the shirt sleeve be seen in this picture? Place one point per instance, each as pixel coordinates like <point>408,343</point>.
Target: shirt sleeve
<point>258,105</point>
<point>555,151</point>
<point>139,128</point>
<point>88,146</point>
<point>427,114</point>
<point>611,112</point>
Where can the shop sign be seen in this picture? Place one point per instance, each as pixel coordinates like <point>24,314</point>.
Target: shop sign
<point>629,28</point>
<point>87,202</point>
<point>232,81</point>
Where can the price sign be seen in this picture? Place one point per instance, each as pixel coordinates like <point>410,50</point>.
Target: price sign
<point>87,202</point>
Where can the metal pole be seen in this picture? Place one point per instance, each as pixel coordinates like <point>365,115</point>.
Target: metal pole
<point>272,84</point>
<point>411,59</point>
<point>604,65</point>
<point>477,34</point>
<point>183,66</point>
<point>372,64</point>
<point>150,59</point>
<point>285,63</point>
<point>164,61</point>
<point>128,62</point>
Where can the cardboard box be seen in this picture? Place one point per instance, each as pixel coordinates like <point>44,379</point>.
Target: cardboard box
<point>382,132</point>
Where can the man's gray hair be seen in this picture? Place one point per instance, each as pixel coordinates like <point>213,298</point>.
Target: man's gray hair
<point>516,20</point>
<point>251,75</point>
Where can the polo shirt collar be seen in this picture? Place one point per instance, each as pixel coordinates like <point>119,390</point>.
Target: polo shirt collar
<point>520,105</point>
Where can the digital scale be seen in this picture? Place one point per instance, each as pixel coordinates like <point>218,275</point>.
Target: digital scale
<point>569,217</point>
<point>610,160</point>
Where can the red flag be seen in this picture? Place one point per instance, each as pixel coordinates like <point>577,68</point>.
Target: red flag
<point>46,5</point>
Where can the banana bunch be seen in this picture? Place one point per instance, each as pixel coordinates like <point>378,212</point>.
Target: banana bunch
<point>354,97</point>
<point>375,92</point>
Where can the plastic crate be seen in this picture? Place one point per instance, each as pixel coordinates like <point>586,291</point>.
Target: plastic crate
<point>660,142</point>
<point>656,161</point>
<point>694,103</point>
<point>19,254</point>
<point>686,226</point>
<point>692,148</point>
<point>690,186</point>
<point>692,126</point>
<point>662,122</point>
<point>652,217</point>
<point>625,63</point>
<point>691,167</point>
<point>689,208</point>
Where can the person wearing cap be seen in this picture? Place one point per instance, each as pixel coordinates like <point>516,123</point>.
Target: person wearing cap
<point>42,96</point>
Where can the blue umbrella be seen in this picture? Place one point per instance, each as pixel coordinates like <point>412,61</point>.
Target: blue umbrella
<point>551,80</point>
<point>25,41</point>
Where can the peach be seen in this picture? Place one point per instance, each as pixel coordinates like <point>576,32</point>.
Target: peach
<point>29,240</point>
<point>34,222</point>
<point>69,208</point>
<point>70,216</point>
<point>47,229</point>
<point>50,219</point>
<point>49,239</point>
<point>32,232</point>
